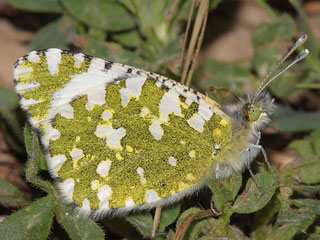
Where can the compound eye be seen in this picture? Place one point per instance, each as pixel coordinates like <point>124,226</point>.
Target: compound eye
<point>254,113</point>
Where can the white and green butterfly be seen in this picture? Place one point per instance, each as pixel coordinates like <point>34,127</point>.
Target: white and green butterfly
<point>117,138</point>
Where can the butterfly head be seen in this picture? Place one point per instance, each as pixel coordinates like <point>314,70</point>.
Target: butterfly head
<point>257,113</point>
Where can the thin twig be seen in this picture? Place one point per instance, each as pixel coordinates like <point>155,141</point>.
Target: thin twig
<point>199,42</point>
<point>156,221</point>
<point>171,10</point>
<point>184,43</point>
<point>194,42</point>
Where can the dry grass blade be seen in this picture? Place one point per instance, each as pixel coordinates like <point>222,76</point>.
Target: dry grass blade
<point>156,221</point>
<point>184,225</point>
<point>195,41</point>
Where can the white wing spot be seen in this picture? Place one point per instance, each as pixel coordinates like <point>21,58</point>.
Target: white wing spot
<point>86,205</point>
<point>53,57</point>
<point>68,187</point>
<point>189,101</point>
<point>103,168</point>
<point>104,194</point>
<point>76,154</point>
<point>96,65</point>
<point>54,134</point>
<point>57,161</point>
<point>140,172</point>
<point>113,136</point>
<point>172,161</point>
<point>169,104</point>
<point>151,196</point>
<point>28,102</point>
<point>106,115</point>
<point>67,111</point>
<point>204,110</point>
<point>33,57</point>
<point>78,59</point>
<point>130,203</point>
<point>191,154</point>
<point>133,89</point>
<point>94,184</point>
<point>196,122</point>
<point>156,130</point>
<point>27,87</point>
<point>21,70</point>
<point>97,96</point>
<point>144,111</point>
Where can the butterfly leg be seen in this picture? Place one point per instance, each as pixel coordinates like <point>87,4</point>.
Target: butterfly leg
<point>249,167</point>
<point>265,156</point>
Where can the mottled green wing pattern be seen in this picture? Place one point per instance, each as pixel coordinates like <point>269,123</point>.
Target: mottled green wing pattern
<point>119,138</point>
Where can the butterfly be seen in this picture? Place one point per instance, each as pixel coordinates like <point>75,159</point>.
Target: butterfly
<point>117,138</point>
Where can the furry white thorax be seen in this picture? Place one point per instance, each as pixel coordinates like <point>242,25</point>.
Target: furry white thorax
<point>245,137</point>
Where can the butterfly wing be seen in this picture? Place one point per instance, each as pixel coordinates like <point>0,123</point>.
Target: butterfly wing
<point>117,137</point>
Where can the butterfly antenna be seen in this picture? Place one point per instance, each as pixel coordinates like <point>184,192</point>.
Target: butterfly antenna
<point>302,55</point>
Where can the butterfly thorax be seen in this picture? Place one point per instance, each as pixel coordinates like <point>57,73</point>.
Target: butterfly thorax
<point>247,119</point>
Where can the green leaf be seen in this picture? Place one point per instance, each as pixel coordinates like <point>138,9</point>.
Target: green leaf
<point>129,39</point>
<point>309,171</point>
<point>313,204</point>
<point>286,85</point>
<point>114,52</point>
<point>315,141</point>
<point>170,235</point>
<point>41,161</point>
<point>101,14</point>
<point>152,15</point>
<point>289,221</point>
<point>11,119</point>
<point>225,74</point>
<point>32,167</point>
<point>219,229</point>
<point>11,196</point>
<point>225,190</point>
<point>264,59</point>
<point>284,232</point>
<point>302,147</point>
<point>288,120</point>
<point>312,43</point>
<point>32,222</point>
<point>97,34</point>
<point>267,8</point>
<point>168,215</point>
<point>195,226</point>
<point>253,199</point>
<point>142,222</point>
<point>56,34</point>
<point>195,229</point>
<point>50,6</point>
<point>262,219</point>
<point>77,226</point>
<point>186,213</point>
<point>265,33</point>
